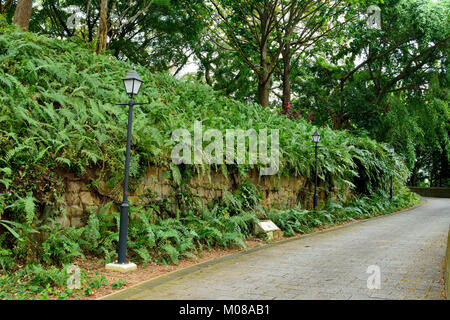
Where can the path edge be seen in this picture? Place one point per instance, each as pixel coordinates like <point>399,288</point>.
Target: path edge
<point>156,281</point>
<point>447,269</point>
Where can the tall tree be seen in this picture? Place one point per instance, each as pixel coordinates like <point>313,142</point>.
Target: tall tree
<point>157,33</point>
<point>309,23</point>
<point>248,28</point>
<point>413,38</point>
<point>389,83</point>
<point>261,32</point>
<point>23,13</point>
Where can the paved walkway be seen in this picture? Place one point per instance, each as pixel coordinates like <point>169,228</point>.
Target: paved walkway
<point>408,248</point>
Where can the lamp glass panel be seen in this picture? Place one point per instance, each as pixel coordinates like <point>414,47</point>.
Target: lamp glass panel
<point>137,86</point>
<point>128,85</point>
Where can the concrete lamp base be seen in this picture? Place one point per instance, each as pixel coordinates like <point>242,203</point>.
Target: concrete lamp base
<point>121,267</point>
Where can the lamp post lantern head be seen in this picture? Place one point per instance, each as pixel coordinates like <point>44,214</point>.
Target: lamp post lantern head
<point>316,137</point>
<point>391,149</point>
<point>132,83</point>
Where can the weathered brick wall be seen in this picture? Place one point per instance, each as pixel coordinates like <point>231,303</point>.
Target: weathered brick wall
<point>154,185</point>
<point>432,192</point>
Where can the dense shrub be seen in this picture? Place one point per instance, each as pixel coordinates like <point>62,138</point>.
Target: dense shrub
<point>58,112</point>
<point>298,220</point>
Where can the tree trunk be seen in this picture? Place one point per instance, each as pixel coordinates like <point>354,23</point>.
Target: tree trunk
<point>103,28</point>
<point>208,74</point>
<point>263,90</point>
<point>263,79</point>
<point>286,98</point>
<point>263,74</point>
<point>22,14</point>
<point>338,119</point>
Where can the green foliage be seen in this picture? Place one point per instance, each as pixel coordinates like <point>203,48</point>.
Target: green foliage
<point>157,239</point>
<point>97,283</point>
<point>59,112</point>
<point>152,239</point>
<point>169,28</point>
<point>31,282</point>
<point>36,281</point>
<point>61,245</point>
<point>118,284</point>
<point>6,259</point>
<point>58,115</point>
<point>390,84</point>
<point>100,234</point>
<point>298,220</point>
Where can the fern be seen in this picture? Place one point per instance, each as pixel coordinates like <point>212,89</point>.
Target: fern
<point>168,234</point>
<point>233,239</point>
<point>176,175</point>
<point>64,160</point>
<point>9,225</point>
<point>91,155</point>
<point>29,207</point>
<point>25,206</point>
<point>144,254</point>
<point>171,252</point>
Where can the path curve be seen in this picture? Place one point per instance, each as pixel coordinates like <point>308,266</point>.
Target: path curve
<point>408,248</point>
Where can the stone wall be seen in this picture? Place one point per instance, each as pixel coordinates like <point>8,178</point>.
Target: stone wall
<point>154,186</point>
<point>432,192</point>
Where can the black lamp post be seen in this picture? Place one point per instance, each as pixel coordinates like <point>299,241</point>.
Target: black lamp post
<point>391,150</point>
<point>316,139</point>
<point>132,84</point>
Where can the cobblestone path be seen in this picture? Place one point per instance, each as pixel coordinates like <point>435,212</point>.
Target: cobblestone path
<point>408,248</point>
